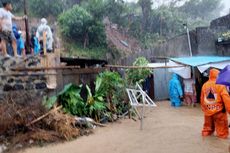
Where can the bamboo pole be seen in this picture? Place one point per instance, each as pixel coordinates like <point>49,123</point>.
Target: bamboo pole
<point>140,67</point>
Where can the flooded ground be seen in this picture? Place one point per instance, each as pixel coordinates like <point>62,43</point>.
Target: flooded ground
<point>166,130</point>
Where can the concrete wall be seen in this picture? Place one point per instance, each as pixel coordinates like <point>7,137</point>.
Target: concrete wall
<point>206,39</point>
<point>175,47</point>
<point>221,23</point>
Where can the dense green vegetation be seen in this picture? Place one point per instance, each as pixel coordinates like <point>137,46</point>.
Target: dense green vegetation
<point>79,25</point>
<point>74,49</point>
<point>106,100</point>
<point>138,75</point>
<point>146,20</point>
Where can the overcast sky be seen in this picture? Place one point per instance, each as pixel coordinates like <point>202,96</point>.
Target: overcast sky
<point>224,12</point>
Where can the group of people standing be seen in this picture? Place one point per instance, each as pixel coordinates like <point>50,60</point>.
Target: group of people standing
<point>214,101</point>
<point>13,38</point>
<point>182,92</point>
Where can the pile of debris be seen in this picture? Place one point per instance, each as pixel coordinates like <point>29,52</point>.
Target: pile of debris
<point>29,123</point>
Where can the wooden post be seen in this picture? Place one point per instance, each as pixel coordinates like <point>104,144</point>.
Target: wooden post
<point>143,111</point>
<point>27,28</point>
<point>44,43</point>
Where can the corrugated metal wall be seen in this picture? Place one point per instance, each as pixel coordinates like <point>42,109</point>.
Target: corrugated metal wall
<point>161,80</point>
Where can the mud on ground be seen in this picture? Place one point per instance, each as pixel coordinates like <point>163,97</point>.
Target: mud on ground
<point>166,130</point>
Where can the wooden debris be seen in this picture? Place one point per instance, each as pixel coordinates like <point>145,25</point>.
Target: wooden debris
<point>45,115</point>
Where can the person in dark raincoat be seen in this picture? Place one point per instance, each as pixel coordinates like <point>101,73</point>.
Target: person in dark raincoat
<point>175,91</point>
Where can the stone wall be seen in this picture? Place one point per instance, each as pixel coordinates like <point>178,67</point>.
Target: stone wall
<point>11,80</point>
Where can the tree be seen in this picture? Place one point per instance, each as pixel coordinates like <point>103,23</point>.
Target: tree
<point>146,6</point>
<point>17,5</point>
<point>96,8</point>
<point>203,9</point>
<point>79,25</point>
<point>44,8</point>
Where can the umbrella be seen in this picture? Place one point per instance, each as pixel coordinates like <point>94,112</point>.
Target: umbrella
<point>224,76</point>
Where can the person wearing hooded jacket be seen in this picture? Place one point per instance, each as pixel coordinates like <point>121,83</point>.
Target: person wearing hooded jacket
<point>43,27</point>
<point>215,101</point>
<point>175,91</point>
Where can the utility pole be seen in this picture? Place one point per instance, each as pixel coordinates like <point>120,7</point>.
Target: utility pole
<point>189,40</point>
<point>27,27</point>
<point>190,49</point>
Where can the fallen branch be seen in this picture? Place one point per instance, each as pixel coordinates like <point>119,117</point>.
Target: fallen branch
<point>99,124</point>
<point>43,116</point>
<point>90,121</point>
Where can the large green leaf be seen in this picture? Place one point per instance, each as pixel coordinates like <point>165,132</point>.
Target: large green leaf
<point>98,84</point>
<point>89,91</point>
<point>48,103</point>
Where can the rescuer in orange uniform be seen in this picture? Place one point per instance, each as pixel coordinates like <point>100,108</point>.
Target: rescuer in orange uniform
<point>215,101</point>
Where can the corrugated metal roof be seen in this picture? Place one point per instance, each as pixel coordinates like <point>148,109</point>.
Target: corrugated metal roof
<point>200,60</point>
<point>82,62</point>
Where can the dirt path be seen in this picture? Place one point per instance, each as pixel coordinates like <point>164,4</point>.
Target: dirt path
<point>166,130</point>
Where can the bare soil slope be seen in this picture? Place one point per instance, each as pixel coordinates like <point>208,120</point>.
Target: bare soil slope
<point>120,39</point>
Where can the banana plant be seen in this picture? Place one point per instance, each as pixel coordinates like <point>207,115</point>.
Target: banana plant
<point>95,103</point>
<point>112,82</point>
<point>70,99</point>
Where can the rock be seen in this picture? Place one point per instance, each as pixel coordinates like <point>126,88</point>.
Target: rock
<point>41,85</point>
<point>7,87</point>
<point>11,80</point>
<point>3,68</point>
<point>13,63</point>
<point>18,81</point>
<point>42,77</point>
<point>31,141</point>
<point>18,87</point>
<point>33,61</point>
<point>3,78</point>
<point>115,117</point>
<point>29,86</point>
<point>19,146</point>
<point>2,148</point>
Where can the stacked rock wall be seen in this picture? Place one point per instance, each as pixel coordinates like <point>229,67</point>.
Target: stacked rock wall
<point>12,80</point>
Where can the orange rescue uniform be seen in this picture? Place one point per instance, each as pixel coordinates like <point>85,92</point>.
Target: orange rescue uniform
<point>215,101</point>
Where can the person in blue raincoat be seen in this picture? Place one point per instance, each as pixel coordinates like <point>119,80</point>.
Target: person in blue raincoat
<point>35,43</point>
<point>20,44</point>
<point>175,91</point>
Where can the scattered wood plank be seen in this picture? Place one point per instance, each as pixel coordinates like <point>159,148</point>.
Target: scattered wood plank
<point>45,68</point>
<point>26,74</point>
<point>44,116</point>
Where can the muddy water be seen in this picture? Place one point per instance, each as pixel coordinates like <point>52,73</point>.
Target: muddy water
<point>166,130</point>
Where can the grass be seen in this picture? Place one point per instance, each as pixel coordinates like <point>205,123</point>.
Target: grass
<point>76,50</point>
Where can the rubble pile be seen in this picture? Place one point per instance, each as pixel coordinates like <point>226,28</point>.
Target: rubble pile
<point>29,123</point>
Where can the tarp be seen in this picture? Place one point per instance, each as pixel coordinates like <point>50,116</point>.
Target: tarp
<point>220,65</point>
<point>181,70</point>
<point>170,63</point>
<point>200,60</point>
<point>184,72</point>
